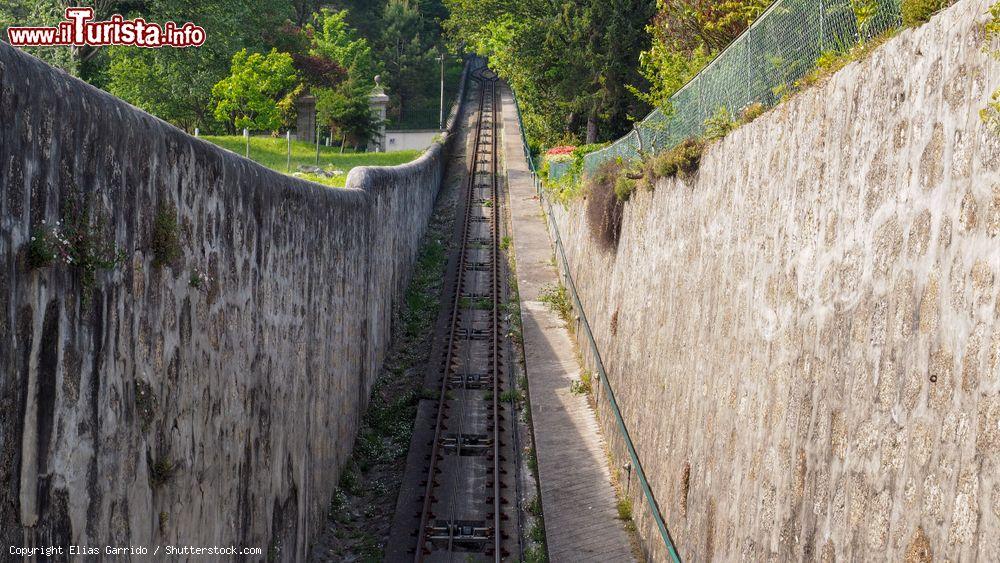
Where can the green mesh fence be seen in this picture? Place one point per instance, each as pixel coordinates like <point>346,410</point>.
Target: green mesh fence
<point>780,47</point>
<point>559,169</point>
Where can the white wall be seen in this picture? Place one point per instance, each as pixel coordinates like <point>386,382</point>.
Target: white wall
<point>418,139</point>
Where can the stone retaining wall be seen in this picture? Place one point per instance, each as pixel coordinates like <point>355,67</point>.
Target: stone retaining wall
<point>804,338</point>
<point>148,410</point>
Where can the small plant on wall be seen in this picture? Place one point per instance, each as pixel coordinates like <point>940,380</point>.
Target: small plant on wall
<point>161,472</point>
<point>199,279</point>
<point>77,241</point>
<point>166,244</point>
<point>991,113</point>
<point>42,248</point>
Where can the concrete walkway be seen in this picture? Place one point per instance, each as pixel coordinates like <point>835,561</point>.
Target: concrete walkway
<point>581,517</point>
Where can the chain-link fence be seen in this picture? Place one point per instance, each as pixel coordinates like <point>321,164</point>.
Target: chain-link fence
<point>780,47</point>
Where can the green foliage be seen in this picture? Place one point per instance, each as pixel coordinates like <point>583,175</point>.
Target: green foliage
<point>537,552</point>
<point>41,250</point>
<point>258,92</point>
<point>422,300</point>
<point>345,110</point>
<point>865,11</point>
<point>79,241</point>
<point>686,35</point>
<point>407,54</point>
<point>992,27</point>
<point>829,62</point>
<point>176,84</point>
<point>990,115</point>
<point>161,472</point>
<point>569,186</point>
<point>166,243</point>
<point>555,297</point>
<point>583,150</point>
<point>198,279</point>
<point>582,386</point>
<point>569,62</point>
<point>751,112</point>
<point>535,506</point>
<point>40,13</point>
<point>480,303</point>
<point>336,40</point>
<point>682,160</point>
<point>917,12</point>
<point>625,509</point>
<point>719,125</point>
<point>624,186</point>
<point>511,396</point>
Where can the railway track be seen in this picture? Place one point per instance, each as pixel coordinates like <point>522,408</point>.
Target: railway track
<point>461,453</point>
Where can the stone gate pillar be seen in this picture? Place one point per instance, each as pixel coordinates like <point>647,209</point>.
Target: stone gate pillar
<point>378,101</point>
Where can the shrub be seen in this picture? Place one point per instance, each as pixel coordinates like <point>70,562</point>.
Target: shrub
<point>604,209</point>
<point>751,112</point>
<point>624,186</point>
<point>719,125</point>
<point>583,150</point>
<point>166,240</point>
<point>682,160</point>
<point>916,12</point>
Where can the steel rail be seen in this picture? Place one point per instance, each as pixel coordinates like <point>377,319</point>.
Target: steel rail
<point>487,88</point>
<point>495,251</point>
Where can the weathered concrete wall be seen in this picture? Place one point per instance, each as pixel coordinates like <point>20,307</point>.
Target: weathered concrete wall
<point>804,339</point>
<point>250,386</point>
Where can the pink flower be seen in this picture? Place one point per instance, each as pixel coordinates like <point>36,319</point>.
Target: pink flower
<point>563,149</point>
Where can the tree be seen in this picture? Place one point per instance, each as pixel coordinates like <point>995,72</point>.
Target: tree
<point>334,39</point>
<point>345,110</point>
<point>687,34</point>
<point>40,13</point>
<point>176,84</point>
<point>568,61</point>
<point>258,92</point>
<point>406,55</point>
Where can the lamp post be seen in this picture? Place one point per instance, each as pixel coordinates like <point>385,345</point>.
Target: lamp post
<point>441,115</point>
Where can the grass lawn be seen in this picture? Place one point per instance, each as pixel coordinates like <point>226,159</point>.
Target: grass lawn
<point>272,152</point>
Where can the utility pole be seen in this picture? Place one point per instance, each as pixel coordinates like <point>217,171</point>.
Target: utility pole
<point>441,116</point>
